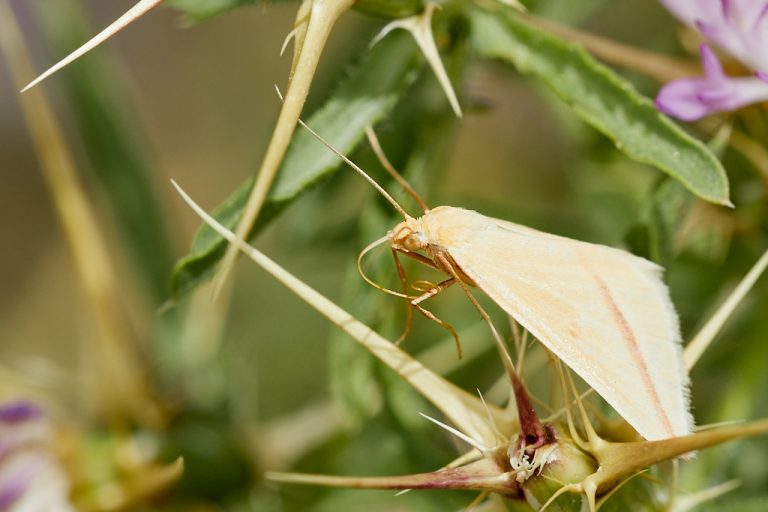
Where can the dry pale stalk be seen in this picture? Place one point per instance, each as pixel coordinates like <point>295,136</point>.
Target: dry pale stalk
<point>315,20</point>
<point>120,380</point>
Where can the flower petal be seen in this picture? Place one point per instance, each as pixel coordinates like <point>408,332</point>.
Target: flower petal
<point>738,26</point>
<point>31,478</point>
<point>712,67</point>
<point>21,424</point>
<point>689,11</point>
<point>45,486</point>
<point>690,99</point>
<point>17,412</point>
<point>747,12</point>
<point>680,99</point>
<point>16,475</point>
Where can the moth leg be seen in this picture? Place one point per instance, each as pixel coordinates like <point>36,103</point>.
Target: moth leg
<point>433,291</point>
<point>416,303</point>
<point>418,257</point>
<point>531,427</point>
<point>447,265</point>
<point>409,311</point>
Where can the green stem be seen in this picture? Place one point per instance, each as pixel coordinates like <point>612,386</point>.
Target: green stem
<point>310,42</point>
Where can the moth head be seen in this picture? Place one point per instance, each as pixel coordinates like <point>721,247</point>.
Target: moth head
<point>408,235</point>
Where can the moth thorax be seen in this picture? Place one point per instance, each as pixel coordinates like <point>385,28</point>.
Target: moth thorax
<point>407,235</point>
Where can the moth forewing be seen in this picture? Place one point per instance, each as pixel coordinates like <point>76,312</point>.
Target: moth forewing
<point>606,313</point>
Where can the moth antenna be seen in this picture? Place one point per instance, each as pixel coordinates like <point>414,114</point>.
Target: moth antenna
<point>461,435</point>
<point>353,165</point>
<point>370,281</point>
<point>357,168</point>
<point>373,140</point>
<point>134,13</point>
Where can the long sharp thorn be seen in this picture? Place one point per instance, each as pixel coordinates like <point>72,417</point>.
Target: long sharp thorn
<point>461,435</point>
<point>134,13</point>
<point>703,339</point>
<point>491,421</point>
<point>420,27</point>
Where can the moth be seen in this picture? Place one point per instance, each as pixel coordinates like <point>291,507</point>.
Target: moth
<point>604,312</point>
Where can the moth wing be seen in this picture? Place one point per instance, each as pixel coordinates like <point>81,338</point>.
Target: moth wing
<point>605,312</point>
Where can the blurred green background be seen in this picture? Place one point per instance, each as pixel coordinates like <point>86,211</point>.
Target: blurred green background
<point>196,103</point>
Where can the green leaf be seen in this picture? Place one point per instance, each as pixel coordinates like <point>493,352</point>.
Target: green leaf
<point>200,10</point>
<point>114,148</point>
<point>366,96</point>
<point>604,100</point>
<point>667,210</point>
<point>416,140</point>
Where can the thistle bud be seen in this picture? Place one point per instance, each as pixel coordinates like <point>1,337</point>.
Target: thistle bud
<point>30,474</point>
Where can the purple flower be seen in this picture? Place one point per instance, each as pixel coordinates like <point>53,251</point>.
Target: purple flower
<point>19,412</point>
<point>690,99</point>
<point>739,27</point>
<point>30,476</point>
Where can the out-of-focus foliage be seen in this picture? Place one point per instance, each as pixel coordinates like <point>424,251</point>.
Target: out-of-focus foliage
<point>363,98</point>
<point>200,10</point>
<point>232,403</point>
<point>591,90</point>
<point>114,148</point>
<point>604,100</point>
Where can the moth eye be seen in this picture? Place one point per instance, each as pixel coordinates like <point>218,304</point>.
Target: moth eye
<point>413,242</point>
<point>401,234</point>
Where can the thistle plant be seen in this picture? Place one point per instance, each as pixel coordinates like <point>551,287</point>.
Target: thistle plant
<point>169,408</point>
<point>527,463</point>
<point>737,27</point>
